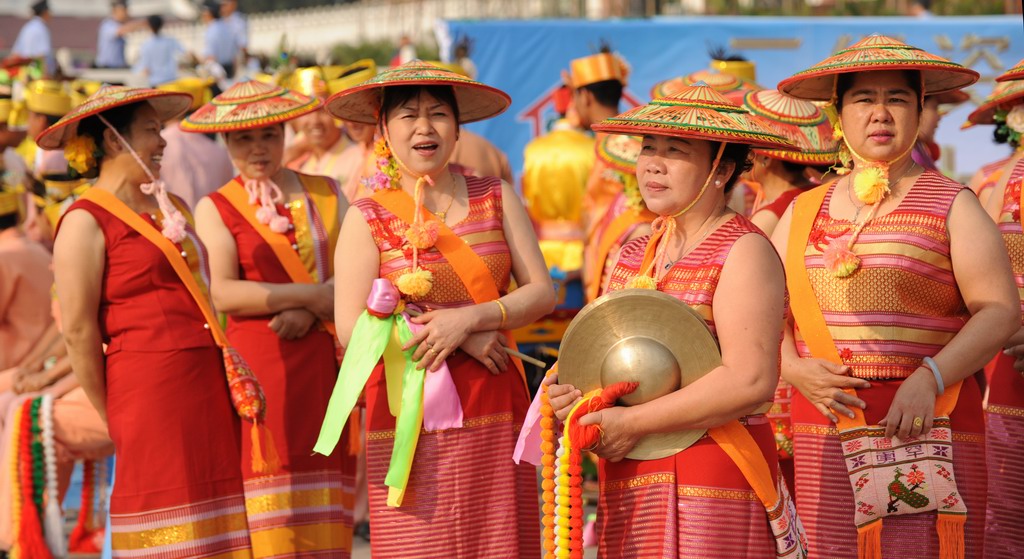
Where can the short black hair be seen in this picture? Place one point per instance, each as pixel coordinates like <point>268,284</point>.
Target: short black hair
<point>8,221</point>
<point>739,154</point>
<point>845,81</point>
<point>119,117</point>
<point>607,93</point>
<point>156,23</point>
<point>926,4</point>
<point>40,8</point>
<point>401,94</point>
<point>213,8</point>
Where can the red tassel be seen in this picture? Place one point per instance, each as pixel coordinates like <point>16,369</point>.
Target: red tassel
<point>265,459</point>
<point>31,540</point>
<point>83,536</point>
<point>585,436</point>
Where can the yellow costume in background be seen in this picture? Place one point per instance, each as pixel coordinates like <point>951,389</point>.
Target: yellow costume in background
<point>555,170</point>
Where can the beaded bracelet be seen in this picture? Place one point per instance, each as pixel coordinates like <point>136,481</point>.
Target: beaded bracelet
<point>504,313</point>
<point>935,371</point>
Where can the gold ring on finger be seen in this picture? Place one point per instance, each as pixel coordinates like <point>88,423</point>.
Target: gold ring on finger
<point>431,351</point>
<point>918,422</point>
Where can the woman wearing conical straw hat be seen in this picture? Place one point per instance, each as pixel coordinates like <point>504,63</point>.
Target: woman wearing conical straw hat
<point>1004,410</point>
<point>994,110</point>
<point>131,273</point>
<point>700,501</point>
<point>270,233</point>
<point>423,306</point>
<point>900,291</point>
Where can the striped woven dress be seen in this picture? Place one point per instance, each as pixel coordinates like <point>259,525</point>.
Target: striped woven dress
<point>466,498</point>
<point>305,510</point>
<point>1005,412</point>
<point>901,306</point>
<point>696,503</point>
<point>991,174</point>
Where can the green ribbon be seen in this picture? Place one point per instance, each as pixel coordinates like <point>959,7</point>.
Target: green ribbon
<point>370,338</point>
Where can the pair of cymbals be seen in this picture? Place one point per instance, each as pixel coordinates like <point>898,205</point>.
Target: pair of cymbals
<point>645,336</point>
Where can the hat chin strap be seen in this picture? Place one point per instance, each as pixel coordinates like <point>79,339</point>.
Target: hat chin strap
<point>174,222</point>
<point>664,227</point>
<point>418,194</point>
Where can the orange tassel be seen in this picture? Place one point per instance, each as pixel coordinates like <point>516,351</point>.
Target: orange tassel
<point>951,535</point>
<point>355,427</point>
<point>869,540</point>
<point>83,536</point>
<point>264,452</point>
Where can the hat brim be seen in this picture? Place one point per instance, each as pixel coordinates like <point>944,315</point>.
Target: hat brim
<point>986,112</point>
<point>1013,74</point>
<point>819,83</point>
<point>637,128</point>
<point>362,103</point>
<point>189,125</point>
<point>167,104</point>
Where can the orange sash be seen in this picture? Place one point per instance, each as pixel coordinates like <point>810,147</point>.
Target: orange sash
<point>609,237</point>
<point>319,190</point>
<point>120,210</point>
<point>808,316</point>
<point>467,264</point>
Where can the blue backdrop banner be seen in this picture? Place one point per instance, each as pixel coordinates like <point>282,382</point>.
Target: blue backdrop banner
<point>526,59</point>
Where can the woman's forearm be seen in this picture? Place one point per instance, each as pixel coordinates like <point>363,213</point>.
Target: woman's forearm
<point>982,337</point>
<point>711,401</point>
<point>252,298</point>
<point>85,350</point>
<point>523,306</point>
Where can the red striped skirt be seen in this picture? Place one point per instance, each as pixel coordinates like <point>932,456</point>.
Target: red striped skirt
<point>466,499</point>
<point>1004,437</point>
<point>306,509</point>
<point>695,504</point>
<point>824,498</point>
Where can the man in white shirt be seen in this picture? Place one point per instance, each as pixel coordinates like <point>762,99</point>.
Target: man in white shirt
<point>238,23</point>
<point>34,38</point>
<point>220,46</point>
<point>110,39</point>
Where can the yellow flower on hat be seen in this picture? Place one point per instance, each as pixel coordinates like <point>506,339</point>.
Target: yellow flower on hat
<point>80,152</point>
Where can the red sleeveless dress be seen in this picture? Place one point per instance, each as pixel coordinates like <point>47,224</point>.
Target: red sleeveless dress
<point>901,306</point>
<point>307,507</point>
<point>177,439</point>
<point>696,503</point>
<point>1004,429</point>
<point>466,498</point>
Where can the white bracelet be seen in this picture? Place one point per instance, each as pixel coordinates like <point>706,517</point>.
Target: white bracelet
<point>935,371</point>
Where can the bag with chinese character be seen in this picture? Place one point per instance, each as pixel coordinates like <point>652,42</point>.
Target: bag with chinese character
<point>893,477</point>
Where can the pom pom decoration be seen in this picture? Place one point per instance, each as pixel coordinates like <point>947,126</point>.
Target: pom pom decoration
<point>84,535</point>
<point>266,194</point>
<point>871,185</point>
<point>547,436</point>
<point>80,153</point>
<point>30,543</point>
<point>839,259</point>
<point>422,235</point>
<point>415,284</point>
<point>642,281</point>
<point>53,520</point>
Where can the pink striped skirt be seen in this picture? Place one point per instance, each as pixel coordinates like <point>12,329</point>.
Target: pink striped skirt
<point>695,504</point>
<point>1004,435</point>
<point>824,498</point>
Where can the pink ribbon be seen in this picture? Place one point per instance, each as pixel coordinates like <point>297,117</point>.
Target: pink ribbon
<point>383,299</point>
<point>528,446</point>
<point>442,408</point>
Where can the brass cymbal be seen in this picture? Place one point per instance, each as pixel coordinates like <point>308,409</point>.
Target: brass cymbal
<point>645,336</point>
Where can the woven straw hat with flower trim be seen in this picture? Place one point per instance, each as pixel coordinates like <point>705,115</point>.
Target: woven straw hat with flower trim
<point>362,103</point>
<point>247,105</point>
<point>1015,73</point>
<point>803,123</point>
<point>732,87</point>
<point>696,112</point>
<point>168,105</point>
<point>877,53</point>
<point>1005,95</point>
